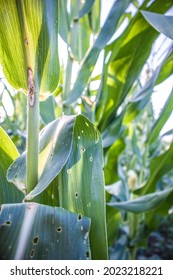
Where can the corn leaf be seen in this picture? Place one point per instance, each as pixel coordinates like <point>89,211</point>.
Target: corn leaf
<point>161,23</point>
<point>125,60</point>
<point>86,8</point>
<point>29,30</point>
<point>144,203</point>
<point>31,231</point>
<point>8,153</point>
<point>91,57</point>
<point>159,166</point>
<point>163,117</point>
<point>71,148</point>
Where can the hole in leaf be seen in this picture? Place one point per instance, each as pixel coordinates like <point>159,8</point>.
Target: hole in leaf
<point>59,229</point>
<point>79,217</point>
<point>35,240</point>
<point>87,254</point>
<point>8,223</point>
<point>32,253</point>
<point>76,194</point>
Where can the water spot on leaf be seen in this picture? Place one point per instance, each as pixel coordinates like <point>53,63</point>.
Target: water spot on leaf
<point>35,240</point>
<point>82,131</point>
<point>52,196</point>
<point>81,228</point>
<point>86,235</point>
<point>68,171</point>
<point>78,137</point>
<point>87,124</point>
<point>91,159</point>
<point>89,204</point>
<point>83,149</point>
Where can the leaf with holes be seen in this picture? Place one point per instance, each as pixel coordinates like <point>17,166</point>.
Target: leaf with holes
<point>33,231</point>
<point>71,153</point>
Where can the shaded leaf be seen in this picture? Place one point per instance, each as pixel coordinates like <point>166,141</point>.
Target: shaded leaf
<point>47,110</point>
<point>144,203</point>
<point>33,231</point>
<point>111,165</point>
<point>8,153</point>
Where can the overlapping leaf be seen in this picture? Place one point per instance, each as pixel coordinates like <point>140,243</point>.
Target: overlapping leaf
<point>70,147</point>
<point>125,58</point>
<point>161,23</point>
<point>91,57</point>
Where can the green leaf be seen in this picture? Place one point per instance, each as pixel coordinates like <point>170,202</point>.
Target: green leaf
<point>71,148</point>
<point>29,32</point>
<point>64,24</point>
<point>81,183</point>
<point>163,117</point>
<point>47,110</point>
<point>144,203</point>
<point>113,131</point>
<point>94,16</point>
<point>111,165</point>
<point>161,23</point>
<point>166,70</point>
<point>125,60</point>
<point>55,146</point>
<point>86,8</point>
<point>159,166</point>
<point>8,153</point>
<point>38,232</point>
<point>141,99</point>
<point>91,57</point>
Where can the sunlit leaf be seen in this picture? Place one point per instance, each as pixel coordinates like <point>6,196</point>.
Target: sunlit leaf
<point>90,59</point>
<point>163,117</point>
<point>29,30</point>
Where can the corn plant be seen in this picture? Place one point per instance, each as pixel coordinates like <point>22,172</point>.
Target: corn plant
<point>52,195</point>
